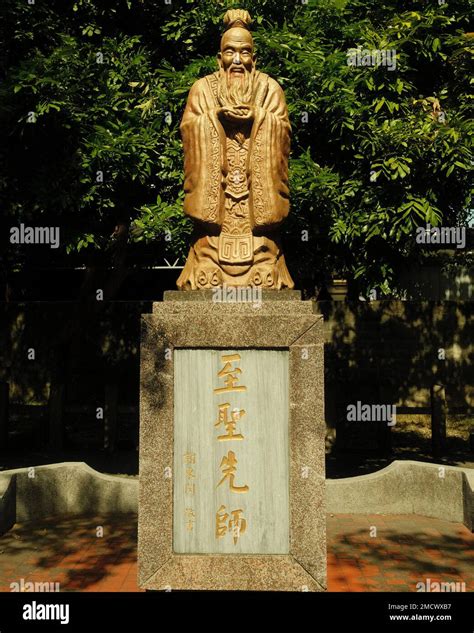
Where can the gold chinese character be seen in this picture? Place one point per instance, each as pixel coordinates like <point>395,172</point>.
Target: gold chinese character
<point>189,489</point>
<point>236,526</point>
<point>228,467</point>
<point>190,473</point>
<point>189,458</point>
<point>190,516</point>
<point>230,374</point>
<point>229,424</point>
<point>221,522</point>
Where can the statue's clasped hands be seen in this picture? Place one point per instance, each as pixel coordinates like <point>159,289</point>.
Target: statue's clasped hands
<point>237,114</point>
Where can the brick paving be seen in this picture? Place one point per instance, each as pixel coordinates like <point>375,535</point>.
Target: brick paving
<point>365,553</point>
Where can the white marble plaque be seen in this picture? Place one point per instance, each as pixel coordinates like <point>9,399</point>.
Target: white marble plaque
<point>230,483</point>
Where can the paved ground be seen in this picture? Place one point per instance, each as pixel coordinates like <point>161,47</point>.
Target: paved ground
<point>93,554</point>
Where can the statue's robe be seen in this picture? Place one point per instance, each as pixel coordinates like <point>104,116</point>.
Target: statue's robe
<point>205,164</point>
<point>216,256</point>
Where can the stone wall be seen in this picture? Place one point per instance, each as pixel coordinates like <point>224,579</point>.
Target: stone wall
<point>75,489</point>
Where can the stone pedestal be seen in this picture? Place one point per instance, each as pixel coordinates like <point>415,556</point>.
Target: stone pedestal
<point>232,444</point>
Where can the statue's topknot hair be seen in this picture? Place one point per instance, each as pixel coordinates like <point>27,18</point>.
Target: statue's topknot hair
<point>237,17</point>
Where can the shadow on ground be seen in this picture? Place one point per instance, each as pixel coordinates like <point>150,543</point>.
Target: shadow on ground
<point>76,552</point>
<point>405,550</point>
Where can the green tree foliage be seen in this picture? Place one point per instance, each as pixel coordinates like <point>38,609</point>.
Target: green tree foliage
<point>92,94</point>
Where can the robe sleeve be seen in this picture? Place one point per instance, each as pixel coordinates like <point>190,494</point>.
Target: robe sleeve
<point>203,156</point>
<point>269,158</point>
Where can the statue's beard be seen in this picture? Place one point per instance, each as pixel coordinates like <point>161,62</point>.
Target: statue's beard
<point>236,88</point>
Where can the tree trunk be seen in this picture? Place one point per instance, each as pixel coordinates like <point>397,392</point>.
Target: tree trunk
<point>438,420</point>
<point>4,411</point>
<point>56,409</point>
<point>110,417</point>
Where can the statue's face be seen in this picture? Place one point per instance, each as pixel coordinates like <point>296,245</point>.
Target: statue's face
<point>236,55</point>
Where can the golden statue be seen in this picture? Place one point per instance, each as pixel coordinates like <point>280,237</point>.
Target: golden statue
<point>236,138</point>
